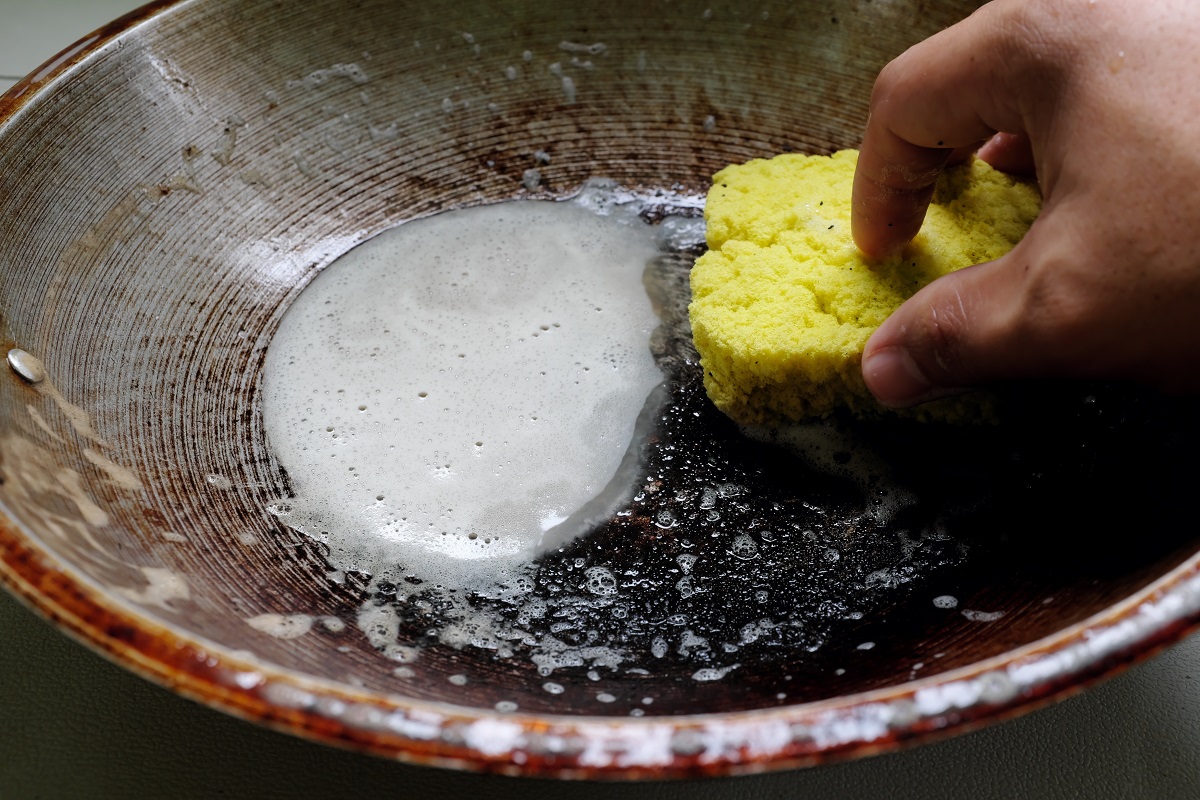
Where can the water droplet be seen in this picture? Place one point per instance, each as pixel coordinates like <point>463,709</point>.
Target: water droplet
<point>711,674</point>
<point>600,581</point>
<point>744,547</point>
<point>26,365</point>
<point>218,481</point>
<point>280,509</point>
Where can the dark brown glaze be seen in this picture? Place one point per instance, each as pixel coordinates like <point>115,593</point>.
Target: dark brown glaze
<point>170,185</point>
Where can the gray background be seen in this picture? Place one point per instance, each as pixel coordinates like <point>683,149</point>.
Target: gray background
<point>74,726</point>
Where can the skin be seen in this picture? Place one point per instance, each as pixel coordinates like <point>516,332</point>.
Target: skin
<point>1101,99</point>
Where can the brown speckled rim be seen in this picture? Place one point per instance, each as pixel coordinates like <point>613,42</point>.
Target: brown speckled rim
<point>23,90</point>
<point>443,735</point>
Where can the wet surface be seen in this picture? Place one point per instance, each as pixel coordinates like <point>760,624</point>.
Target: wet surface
<point>152,309</point>
<point>750,576</point>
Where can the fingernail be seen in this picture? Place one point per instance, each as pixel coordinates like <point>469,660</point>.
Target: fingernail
<point>896,380</point>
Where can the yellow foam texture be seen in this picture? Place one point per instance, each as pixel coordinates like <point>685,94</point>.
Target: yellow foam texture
<point>783,302</point>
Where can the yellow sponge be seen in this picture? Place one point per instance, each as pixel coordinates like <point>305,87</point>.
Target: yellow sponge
<point>783,302</point>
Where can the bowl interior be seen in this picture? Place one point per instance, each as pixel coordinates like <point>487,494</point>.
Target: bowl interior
<point>164,201</point>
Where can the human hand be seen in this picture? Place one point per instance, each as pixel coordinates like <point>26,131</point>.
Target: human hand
<point>1101,99</point>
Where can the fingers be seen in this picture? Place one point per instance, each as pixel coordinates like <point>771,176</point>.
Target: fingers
<point>1009,152</point>
<point>942,94</point>
<point>1106,284</point>
<point>893,184</point>
<point>966,328</point>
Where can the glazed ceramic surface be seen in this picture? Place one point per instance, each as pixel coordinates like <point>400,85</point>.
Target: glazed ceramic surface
<point>170,185</point>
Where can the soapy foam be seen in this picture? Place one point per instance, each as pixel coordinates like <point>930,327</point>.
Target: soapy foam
<point>460,390</point>
<point>714,588</point>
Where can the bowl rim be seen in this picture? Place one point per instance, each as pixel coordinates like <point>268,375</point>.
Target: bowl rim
<point>429,733</point>
<point>609,748</point>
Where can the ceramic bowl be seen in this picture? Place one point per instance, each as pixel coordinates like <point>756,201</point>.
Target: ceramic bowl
<point>169,185</point>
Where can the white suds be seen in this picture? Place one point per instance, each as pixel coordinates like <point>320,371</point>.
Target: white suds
<point>460,390</point>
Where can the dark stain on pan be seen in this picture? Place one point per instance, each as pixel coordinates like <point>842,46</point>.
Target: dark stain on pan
<point>737,559</point>
<point>1087,506</point>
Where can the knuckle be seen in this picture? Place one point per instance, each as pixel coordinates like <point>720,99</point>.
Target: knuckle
<point>889,85</point>
<point>943,330</point>
<point>1043,34</point>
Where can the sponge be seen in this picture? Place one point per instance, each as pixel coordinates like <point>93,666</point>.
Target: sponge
<point>783,302</point>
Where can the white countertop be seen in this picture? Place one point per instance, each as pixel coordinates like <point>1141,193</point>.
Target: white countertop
<point>74,726</point>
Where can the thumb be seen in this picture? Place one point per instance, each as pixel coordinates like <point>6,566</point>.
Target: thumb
<point>962,330</point>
